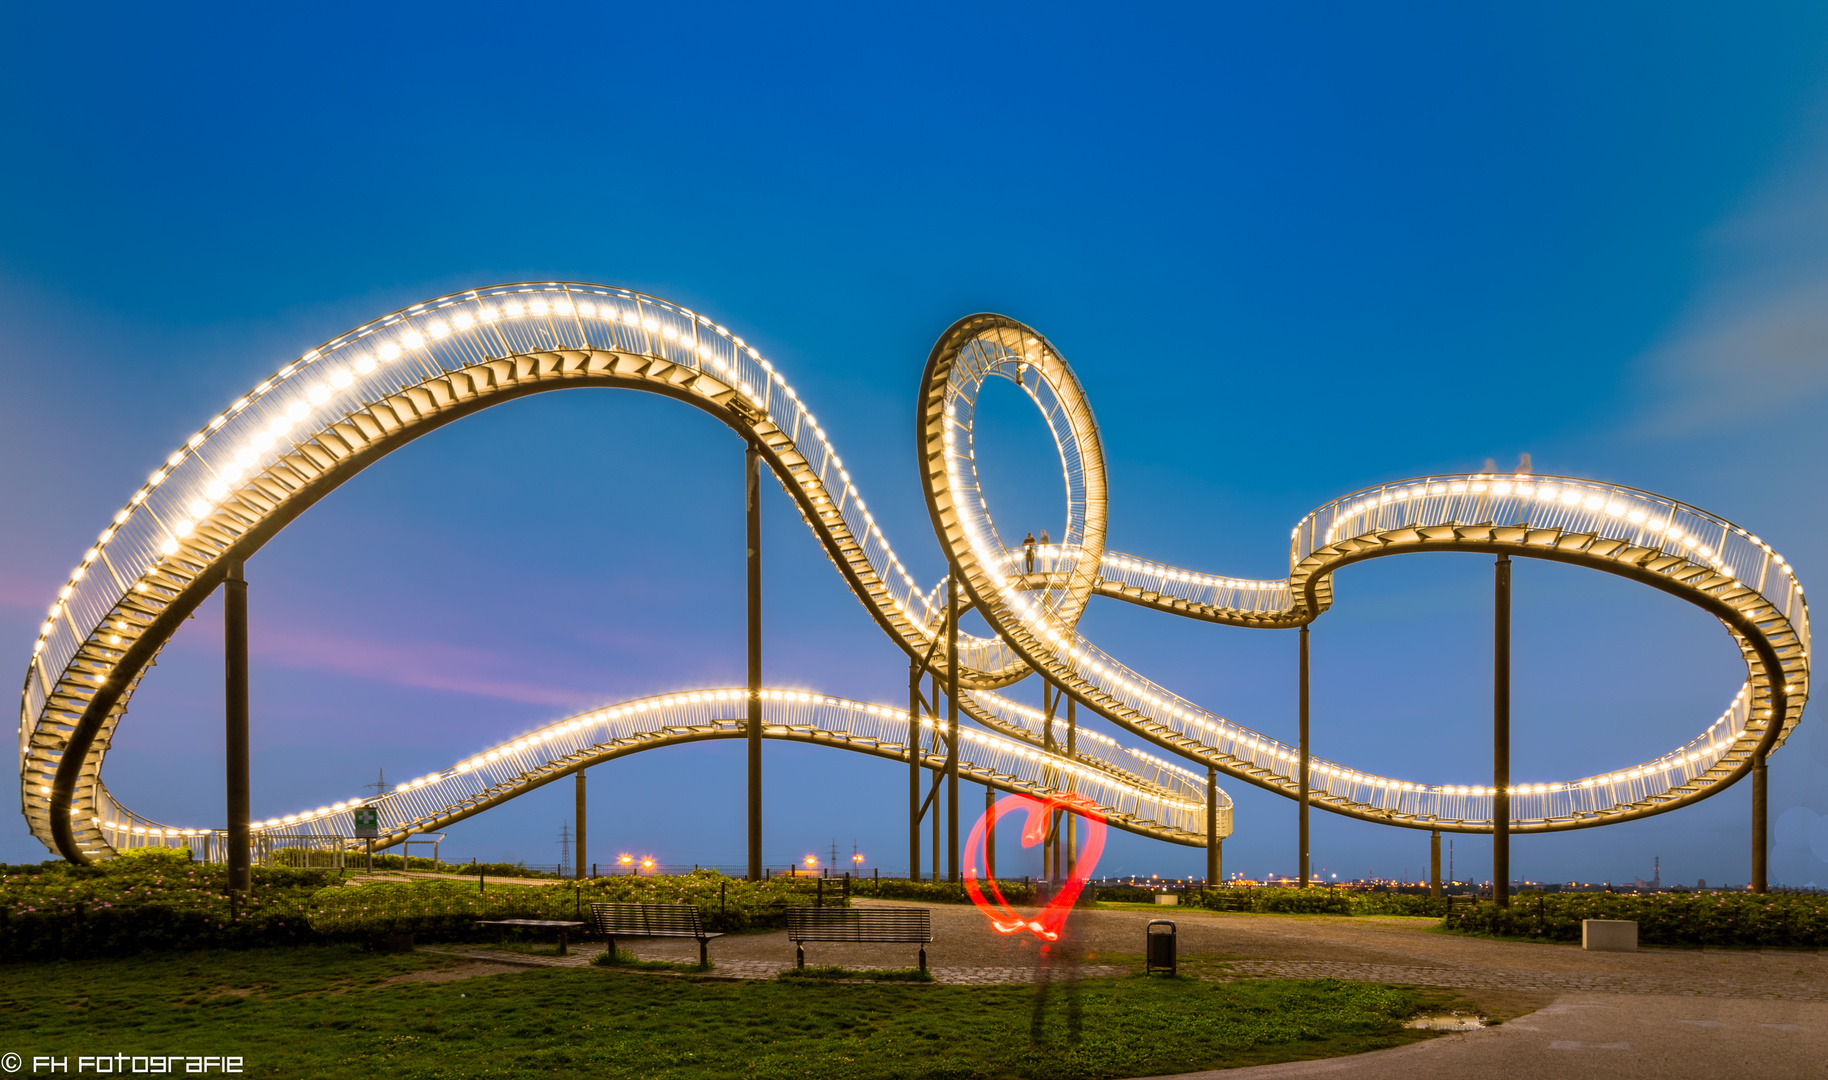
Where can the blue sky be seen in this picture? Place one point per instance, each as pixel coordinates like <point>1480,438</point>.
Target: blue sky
<point>1289,252</point>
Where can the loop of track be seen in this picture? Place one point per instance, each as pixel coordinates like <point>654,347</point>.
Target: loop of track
<point>318,421</point>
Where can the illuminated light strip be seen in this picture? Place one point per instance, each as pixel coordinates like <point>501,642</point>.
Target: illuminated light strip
<point>195,503</point>
<point>1608,514</point>
<point>564,740</point>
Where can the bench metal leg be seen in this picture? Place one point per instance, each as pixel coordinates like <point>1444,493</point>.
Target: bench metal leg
<point>799,956</point>
<point>610,944</point>
<point>562,941</point>
<point>923,959</point>
<point>703,959</point>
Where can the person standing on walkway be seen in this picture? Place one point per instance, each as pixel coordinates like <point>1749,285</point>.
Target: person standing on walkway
<point>1028,551</point>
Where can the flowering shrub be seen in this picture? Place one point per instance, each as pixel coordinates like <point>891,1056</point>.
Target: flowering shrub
<point>1310,901</point>
<point>936,892</point>
<point>449,910</point>
<point>433,910</point>
<point>1718,919</point>
<point>147,902</point>
<point>357,862</point>
<point>1394,903</point>
<point>728,904</point>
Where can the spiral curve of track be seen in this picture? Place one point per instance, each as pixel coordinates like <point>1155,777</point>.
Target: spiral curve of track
<point>319,420</point>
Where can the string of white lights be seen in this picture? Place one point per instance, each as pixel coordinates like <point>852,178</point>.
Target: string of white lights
<point>438,798</point>
<point>318,418</point>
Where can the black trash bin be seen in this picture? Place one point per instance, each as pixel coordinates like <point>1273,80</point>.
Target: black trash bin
<point>1158,951</point>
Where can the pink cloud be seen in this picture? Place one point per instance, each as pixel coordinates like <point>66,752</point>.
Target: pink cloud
<point>27,594</point>
<point>454,669</point>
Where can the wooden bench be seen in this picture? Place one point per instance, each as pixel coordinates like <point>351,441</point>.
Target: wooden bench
<point>538,924</point>
<point>651,920</point>
<point>897,925</point>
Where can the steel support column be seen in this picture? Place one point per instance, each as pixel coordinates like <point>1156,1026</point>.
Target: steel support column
<point>1434,863</point>
<point>1302,783</point>
<point>1050,701</point>
<point>1501,731</point>
<point>1071,839</point>
<point>235,726</point>
<point>752,503</point>
<point>990,832</point>
<point>1213,870</point>
<point>939,774</point>
<point>583,862</point>
<point>915,714</point>
<point>1761,847</point>
<point>952,731</point>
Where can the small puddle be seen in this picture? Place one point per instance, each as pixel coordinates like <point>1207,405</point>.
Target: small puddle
<point>1446,1022</point>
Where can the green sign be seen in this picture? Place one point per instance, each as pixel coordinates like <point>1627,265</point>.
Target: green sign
<point>367,822</point>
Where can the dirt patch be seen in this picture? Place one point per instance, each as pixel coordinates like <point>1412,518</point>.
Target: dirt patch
<point>1502,1005</point>
<point>450,974</point>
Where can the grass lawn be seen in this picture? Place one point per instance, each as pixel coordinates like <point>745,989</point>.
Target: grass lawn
<point>334,1012</point>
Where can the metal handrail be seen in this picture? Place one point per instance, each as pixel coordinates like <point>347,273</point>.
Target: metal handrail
<point>271,453</point>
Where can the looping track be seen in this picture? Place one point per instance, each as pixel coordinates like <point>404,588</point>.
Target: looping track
<point>297,436</point>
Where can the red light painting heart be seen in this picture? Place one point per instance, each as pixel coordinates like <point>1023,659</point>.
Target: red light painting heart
<point>1047,922</point>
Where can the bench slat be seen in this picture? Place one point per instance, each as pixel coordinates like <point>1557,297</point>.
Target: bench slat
<point>876,925</point>
<point>649,920</point>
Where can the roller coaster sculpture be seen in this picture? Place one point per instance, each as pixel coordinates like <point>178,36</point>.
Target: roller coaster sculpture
<point>319,420</point>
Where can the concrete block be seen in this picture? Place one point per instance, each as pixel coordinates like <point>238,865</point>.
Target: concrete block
<point>1609,935</point>
<point>1167,899</point>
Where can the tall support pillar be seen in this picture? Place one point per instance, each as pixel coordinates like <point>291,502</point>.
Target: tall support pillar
<point>1434,863</point>
<point>915,715</point>
<point>235,727</point>
<point>583,860</point>
<point>952,731</point>
<point>1214,871</point>
<point>1302,783</point>
<point>939,772</point>
<point>1501,731</point>
<point>1050,702</point>
<point>1071,838</point>
<point>752,502</point>
<point>990,832</point>
<point>1760,841</point>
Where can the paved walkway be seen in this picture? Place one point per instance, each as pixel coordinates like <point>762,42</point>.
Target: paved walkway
<point>1583,1036</point>
<point>1549,982</point>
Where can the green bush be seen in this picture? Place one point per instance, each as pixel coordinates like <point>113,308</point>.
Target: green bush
<point>1125,894</point>
<point>147,902</point>
<point>728,905</point>
<point>1309,901</point>
<point>938,892</point>
<point>1392,903</point>
<point>488,870</point>
<point>448,910</point>
<point>1690,919</point>
<point>173,855</point>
